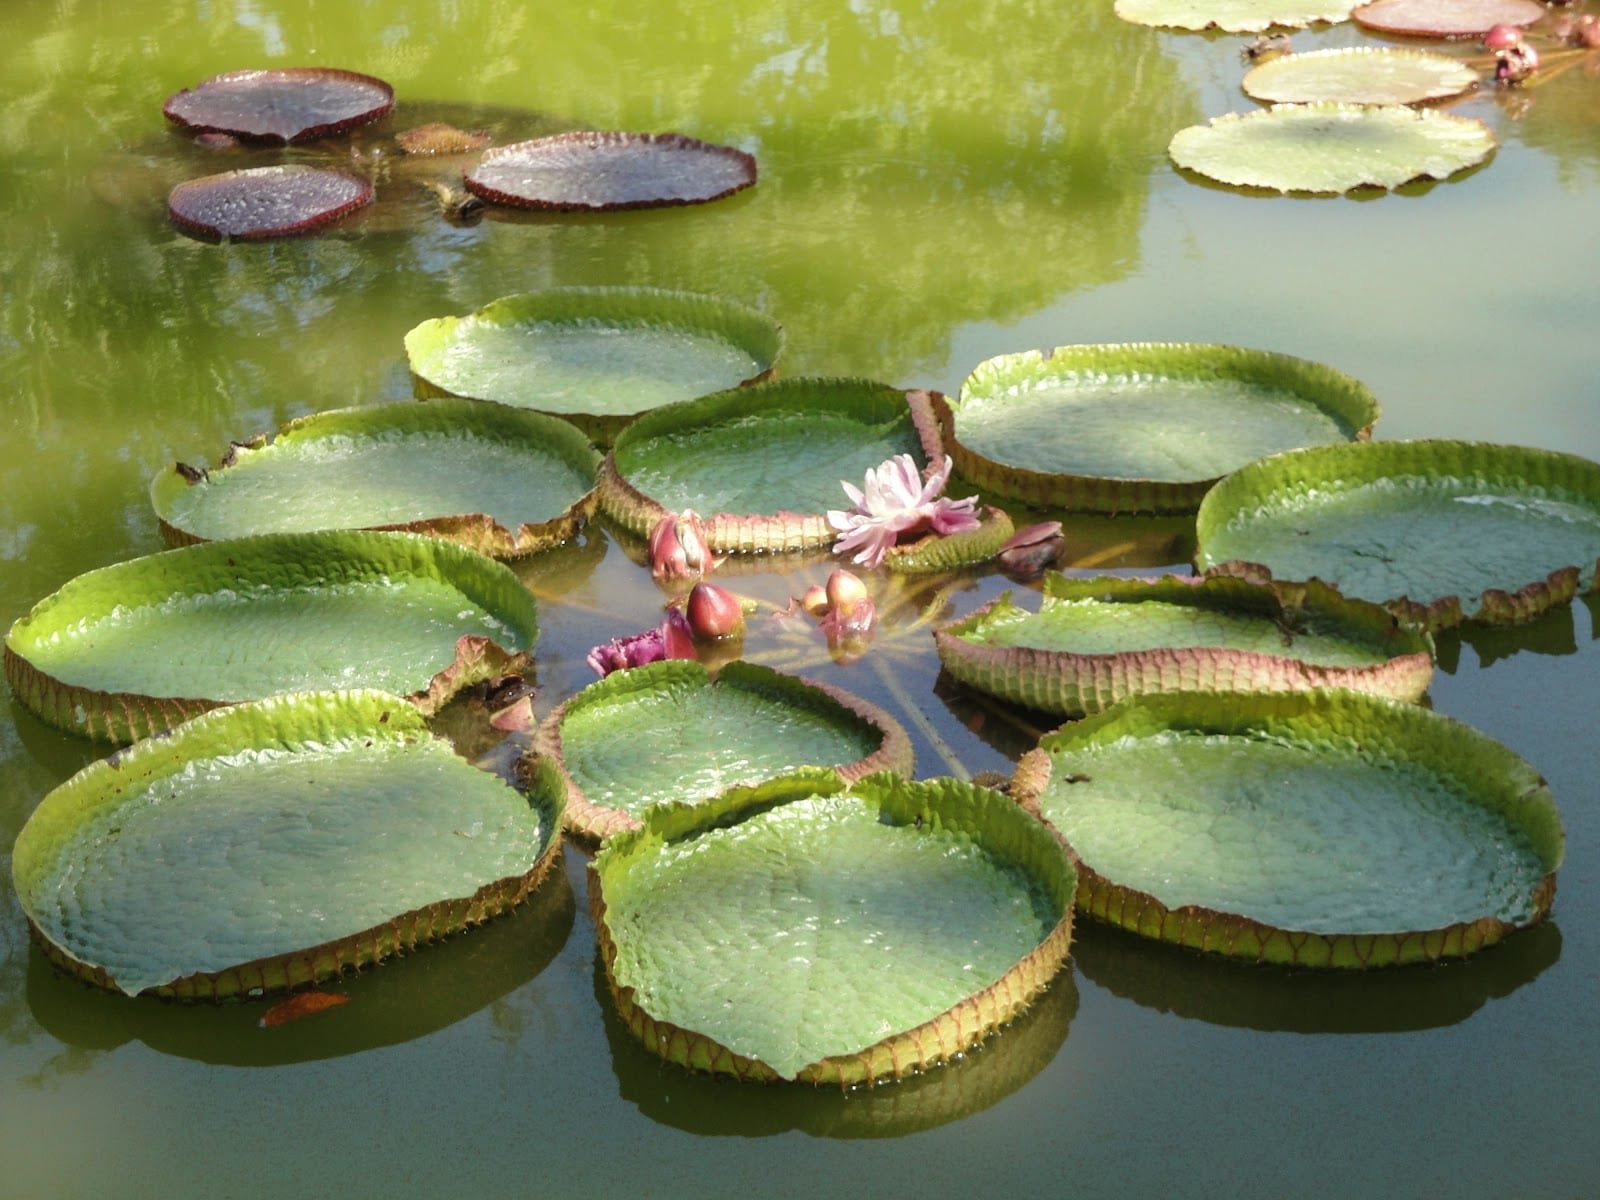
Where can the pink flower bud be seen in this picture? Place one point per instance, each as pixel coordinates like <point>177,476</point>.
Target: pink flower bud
<point>1502,37</point>
<point>678,547</point>
<point>851,612</point>
<point>677,638</point>
<point>714,613</point>
<point>815,600</point>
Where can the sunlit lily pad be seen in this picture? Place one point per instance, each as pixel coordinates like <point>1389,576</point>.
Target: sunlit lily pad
<point>1234,16</point>
<point>1141,427</point>
<point>275,844</point>
<point>763,465</point>
<point>503,481</point>
<point>1327,829</point>
<point>1359,75</point>
<point>1439,531</point>
<point>1331,148</point>
<point>608,170</point>
<point>133,648</point>
<point>802,930</point>
<point>669,732</point>
<point>265,202</point>
<point>595,355</point>
<point>1095,641</point>
<point>1445,18</point>
<point>283,104</point>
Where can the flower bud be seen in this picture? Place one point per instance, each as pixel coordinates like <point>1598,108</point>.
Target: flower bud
<point>851,612</point>
<point>678,547</point>
<point>815,600</point>
<point>714,613</point>
<point>1029,552</point>
<point>1502,37</point>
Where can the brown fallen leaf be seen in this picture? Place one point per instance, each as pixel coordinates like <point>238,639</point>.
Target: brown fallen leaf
<point>300,1005</point>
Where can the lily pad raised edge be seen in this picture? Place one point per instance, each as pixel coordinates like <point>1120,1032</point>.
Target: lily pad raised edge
<point>760,533</point>
<point>1452,748</point>
<point>477,531</point>
<point>1307,469</point>
<point>749,329</point>
<point>1071,685</point>
<point>1031,842</point>
<point>1332,390</point>
<point>279,721</point>
<point>598,822</point>
<point>124,717</point>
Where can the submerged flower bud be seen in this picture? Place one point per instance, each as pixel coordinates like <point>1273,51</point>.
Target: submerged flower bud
<point>1515,63</point>
<point>714,612</point>
<point>678,547</point>
<point>1029,552</point>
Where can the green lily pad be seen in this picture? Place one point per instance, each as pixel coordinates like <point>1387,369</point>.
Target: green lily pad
<point>1142,427</point>
<point>1445,18</point>
<point>1359,75</point>
<point>1234,16</point>
<point>598,356</point>
<point>803,930</point>
<point>502,481</point>
<point>1331,148</point>
<point>134,648</point>
<point>1327,829</point>
<point>1096,641</point>
<point>275,844</point>
<point>670,732</point>
<point>1438,531</point>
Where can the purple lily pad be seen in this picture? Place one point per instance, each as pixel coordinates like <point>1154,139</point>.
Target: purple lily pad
<point>606,170</point>
<point>265,202</point>
<point>285,104</point>
<point>1445,18</point>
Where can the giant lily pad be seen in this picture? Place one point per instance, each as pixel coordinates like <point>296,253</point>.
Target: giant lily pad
<point>284,104</point>
<point>595,355</point>
<point>134,648</point>
<point>1329,148</point>
<point>274,844</point>
<point>265,202</point>
<point>502,481</point>
<point>1327,829</point>
<point>607,170</point>
<point>1359,75</point>
<point>1440,531</point>
<point>1445,18</point>
<point>1140,427</point>
<point>802,930</point>
<point>763,466</point>
<point>1235,16</point>
<point>669,732</point>
<point>1095,641</point>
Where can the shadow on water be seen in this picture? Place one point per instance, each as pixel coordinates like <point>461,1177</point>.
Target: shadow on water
<point>1554,634</point>
<point>1218,991</point>
<point>400,1001</point>
<point>714,1106</point>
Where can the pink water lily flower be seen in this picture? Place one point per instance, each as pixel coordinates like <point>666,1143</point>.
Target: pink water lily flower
<point>671,639</point>
<point>896,505</point>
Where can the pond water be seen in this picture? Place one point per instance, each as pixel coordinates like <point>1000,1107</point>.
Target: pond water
<point>940,184</point>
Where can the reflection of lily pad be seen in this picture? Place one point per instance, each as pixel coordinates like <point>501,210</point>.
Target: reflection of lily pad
<point>1440,531</point>
<point>284,104</point>
<point>503,481</point>
<point>669,732</point>
<point>1095,641</point>
<point>800,930</point>
<point>606,170</point>
<point>1235,16</point>
<point>1330,148</point>
<point>133,648</point>
<point>275,844</point>
<point>1445,18</point>
<point>1359,75</point>
<point>265,202</point>
<point>597,356</point>
<point>1327,828</point>
<point>1140,427</point>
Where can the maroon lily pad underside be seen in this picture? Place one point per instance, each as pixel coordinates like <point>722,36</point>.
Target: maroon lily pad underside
<point>606,170</point>
<point>265,202</point>
<point>285,104</point>
<point>1445,18</point>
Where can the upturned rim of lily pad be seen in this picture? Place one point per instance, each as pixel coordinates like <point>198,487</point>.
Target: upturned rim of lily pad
<point>1493,776</point>
<point>1257,484</point>
<point>595,141</point>
<point>1071,684</point>
<point>550,436</point>
<point>748,329</point>
<point>281,723</point>
<point>191,205</point>
<point>124,717</point>
<point>191,109</point>
<point>1433,76</point>
<point>598,822</point>
<point>993,822</point>
<point>1330,390</point>
<point>1445,18</point>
